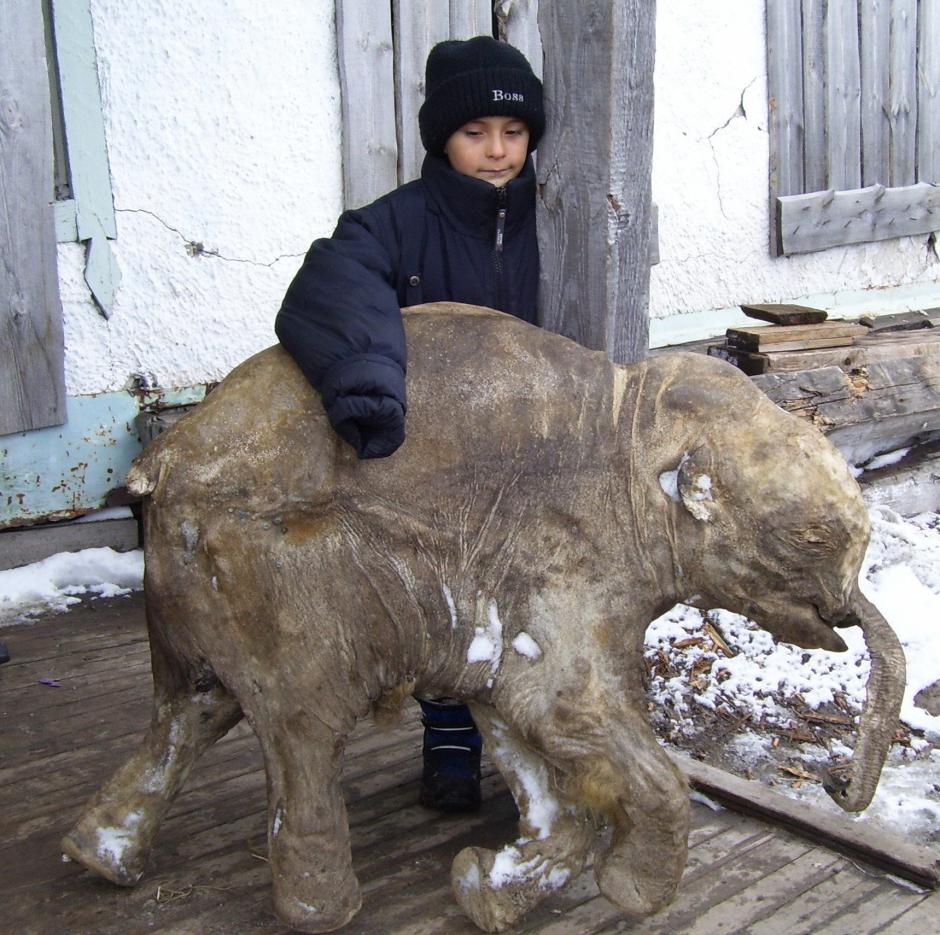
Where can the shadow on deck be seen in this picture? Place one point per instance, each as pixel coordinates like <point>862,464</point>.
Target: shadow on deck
<point>208,872</point>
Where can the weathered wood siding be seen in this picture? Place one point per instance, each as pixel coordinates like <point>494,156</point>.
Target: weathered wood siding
<point>594,217</point>
<point>383,47</point>
<point>32,380</point>
<point>853,120</point>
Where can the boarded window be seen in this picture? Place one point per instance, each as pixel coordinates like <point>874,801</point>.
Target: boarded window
<point>854,121</point>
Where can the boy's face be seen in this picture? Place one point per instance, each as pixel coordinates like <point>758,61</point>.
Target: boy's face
<point>493,149</point>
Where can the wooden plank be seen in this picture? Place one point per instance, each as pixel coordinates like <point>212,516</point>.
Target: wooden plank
<point>89,169</point>
<point>918,919</point>
<point>819,904</point>
<point>593,202</point>
<point>785,314</point>
<point>836,218</point>
<point>864,352</point>
<point>367,89</point>
<point>785,92</point>
<point>875,38</point>
<point>518,25</point>
<point>875,912</point>
<point>843,96</point>
<point>815,166</point>
<point>417,27</point>
<point>470,18</point>
<point>32,370</point>
<point>928,94</point>
<point>877,847</point>
<point>900,321</point>
<point>902,100</point>
<point>767,895</point>
<point>771,337</point>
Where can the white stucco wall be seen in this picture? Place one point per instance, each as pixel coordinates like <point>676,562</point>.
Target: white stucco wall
<point>223,128</point>
<point>710,180</point>
<point>223,125</point>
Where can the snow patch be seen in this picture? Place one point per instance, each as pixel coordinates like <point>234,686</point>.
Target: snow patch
<point>54,583</point>
<point>487,642</point>
<point>113,841</point>
<point>470,880</point>
<point>526,646</point>
<point>451,606</point>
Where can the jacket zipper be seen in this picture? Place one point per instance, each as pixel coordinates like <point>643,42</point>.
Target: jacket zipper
<point>501,198</point>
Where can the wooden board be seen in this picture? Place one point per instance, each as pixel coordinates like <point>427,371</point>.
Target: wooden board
<point>865,351</point>
<point>32,363</point>
<point>785,314</point>
<point>835,830</point>
<point>791,337</point>
<point>902,321</point>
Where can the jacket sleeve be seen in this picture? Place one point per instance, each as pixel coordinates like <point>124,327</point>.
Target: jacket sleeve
<point>341,322</point>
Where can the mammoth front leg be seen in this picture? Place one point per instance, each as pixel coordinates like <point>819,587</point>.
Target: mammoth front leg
<point>115,833</point>
<point>620,771</point>
<point>496,888</point>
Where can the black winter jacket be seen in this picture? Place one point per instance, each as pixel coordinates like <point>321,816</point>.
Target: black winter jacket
<point>444,237</point>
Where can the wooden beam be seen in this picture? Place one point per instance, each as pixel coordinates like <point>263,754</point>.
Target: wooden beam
<point>32,369</point>
<point>836,831</point>
<point>836,218</point>
<point>594,173</point>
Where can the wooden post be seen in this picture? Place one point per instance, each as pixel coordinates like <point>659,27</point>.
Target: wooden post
<point>594,172</point>
<point>32,377</point>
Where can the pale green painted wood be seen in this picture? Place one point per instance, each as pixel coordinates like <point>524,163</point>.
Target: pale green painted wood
<point>87,146</point>
<point>59,472</point>
<point>66,223</point>
<point>32,377</point>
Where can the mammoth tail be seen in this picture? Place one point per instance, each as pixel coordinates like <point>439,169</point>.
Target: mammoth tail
<point>144,473</point>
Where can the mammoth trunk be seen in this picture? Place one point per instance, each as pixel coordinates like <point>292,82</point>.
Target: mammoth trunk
<point>854,791</point>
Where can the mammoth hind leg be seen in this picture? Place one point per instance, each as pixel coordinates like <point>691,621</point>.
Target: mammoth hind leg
<point>114,834</point>
<point>314,886</point>
<point>495,889</point>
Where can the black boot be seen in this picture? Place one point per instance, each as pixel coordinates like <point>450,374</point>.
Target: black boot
<point>452,745</point>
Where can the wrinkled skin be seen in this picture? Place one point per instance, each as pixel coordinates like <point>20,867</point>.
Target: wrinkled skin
<point>542,490</point>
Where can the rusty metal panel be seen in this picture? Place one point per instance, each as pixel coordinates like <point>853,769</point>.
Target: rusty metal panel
<point>66,470</point>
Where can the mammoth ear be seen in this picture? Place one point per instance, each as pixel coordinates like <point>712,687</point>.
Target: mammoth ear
<point>694,482</point>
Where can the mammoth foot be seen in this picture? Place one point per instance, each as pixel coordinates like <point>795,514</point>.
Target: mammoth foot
<point>113,843</point>
<point>495,889</point>
<point>637,885</point>
<point>322,903</point>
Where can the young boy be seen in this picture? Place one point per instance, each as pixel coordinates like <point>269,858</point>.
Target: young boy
<point>463,232</point>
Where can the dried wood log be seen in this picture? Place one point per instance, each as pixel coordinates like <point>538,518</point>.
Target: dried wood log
<point>878,407</point>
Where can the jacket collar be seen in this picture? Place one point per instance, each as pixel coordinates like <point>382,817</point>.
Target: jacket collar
<point>471,204</point>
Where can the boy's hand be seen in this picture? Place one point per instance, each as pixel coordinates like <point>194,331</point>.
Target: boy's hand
<point>373,425</point>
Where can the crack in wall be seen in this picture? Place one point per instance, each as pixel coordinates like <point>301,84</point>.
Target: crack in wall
<point>739,111</point>
<point>196,248</point>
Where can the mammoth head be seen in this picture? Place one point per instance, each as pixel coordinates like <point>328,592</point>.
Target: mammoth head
<point>767,520</point>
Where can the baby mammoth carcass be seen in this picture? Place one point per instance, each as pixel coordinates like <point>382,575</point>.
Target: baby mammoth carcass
<point>545,507</point>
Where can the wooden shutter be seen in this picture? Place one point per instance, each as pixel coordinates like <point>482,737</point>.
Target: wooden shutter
<point>32,375</point>
<point>382,50</point>
<point>854,121</point>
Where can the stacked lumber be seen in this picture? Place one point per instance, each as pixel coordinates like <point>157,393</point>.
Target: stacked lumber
<point>801,339</point>
<point>870,385</point>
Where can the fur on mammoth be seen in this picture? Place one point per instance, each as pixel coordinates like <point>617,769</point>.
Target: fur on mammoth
<point>546,506</point>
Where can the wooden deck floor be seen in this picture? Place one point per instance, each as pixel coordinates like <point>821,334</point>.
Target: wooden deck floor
<point>208,873</point>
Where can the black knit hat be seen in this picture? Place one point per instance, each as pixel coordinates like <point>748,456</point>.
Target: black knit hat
<point>479,77</point>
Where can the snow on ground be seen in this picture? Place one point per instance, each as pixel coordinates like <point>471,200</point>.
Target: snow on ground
<point>60,580</point>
